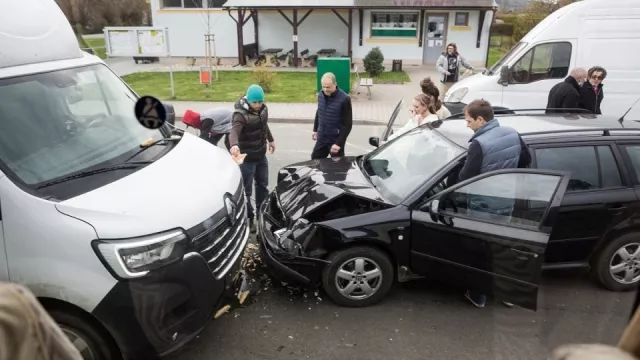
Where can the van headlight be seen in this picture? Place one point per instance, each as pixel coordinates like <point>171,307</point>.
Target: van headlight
<point>136,257</point>
<point>457,95</point>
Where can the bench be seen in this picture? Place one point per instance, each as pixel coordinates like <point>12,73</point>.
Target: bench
<point>284,60</point>
<point>366,82</point>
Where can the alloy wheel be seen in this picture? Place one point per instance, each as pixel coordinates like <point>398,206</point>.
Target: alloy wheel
<point>80,343</point>
<point>358,278</point>
<point>624,265</point>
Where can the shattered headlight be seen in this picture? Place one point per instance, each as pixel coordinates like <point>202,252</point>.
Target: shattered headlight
<point>287,238</point>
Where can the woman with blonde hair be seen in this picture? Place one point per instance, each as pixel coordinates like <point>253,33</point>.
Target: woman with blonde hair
<point>423,111</point>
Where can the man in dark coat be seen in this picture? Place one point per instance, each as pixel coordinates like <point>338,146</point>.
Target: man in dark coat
<point>566,95</point>
<point>249,135</point>
<point>591,94</point>
<point>334,119</point>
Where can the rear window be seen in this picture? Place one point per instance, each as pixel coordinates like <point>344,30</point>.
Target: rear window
<point>591,167</point>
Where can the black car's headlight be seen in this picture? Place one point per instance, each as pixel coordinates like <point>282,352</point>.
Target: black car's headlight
<point>136,257</point>
<point>288,238</point>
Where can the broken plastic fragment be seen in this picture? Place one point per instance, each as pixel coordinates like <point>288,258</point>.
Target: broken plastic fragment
<point>223,310</point>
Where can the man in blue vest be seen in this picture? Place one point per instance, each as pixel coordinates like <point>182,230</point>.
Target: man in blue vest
<point>491,147</point>
<point>334,119</point>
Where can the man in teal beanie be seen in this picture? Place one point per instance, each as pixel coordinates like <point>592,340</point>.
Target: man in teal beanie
<point>249,135</point>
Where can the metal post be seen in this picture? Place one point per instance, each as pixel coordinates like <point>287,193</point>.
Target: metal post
<point>166,38</point>
<point>295,37</point>
<point>215,56</point>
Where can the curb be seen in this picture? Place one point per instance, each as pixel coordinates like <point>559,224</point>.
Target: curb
<point>310,121</point>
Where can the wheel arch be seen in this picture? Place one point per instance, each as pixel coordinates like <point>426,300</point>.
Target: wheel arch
<point>609,237</point>
<point>377,245</point>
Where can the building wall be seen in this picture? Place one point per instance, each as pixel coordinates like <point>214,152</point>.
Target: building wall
<point>321,29</point>
<point>187,28</point>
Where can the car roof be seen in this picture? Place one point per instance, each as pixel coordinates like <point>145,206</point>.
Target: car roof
<point>545,125</point>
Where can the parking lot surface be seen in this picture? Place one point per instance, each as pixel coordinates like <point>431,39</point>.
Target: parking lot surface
<point>419,320</point>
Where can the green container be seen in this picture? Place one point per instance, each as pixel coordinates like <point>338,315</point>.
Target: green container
<point>340,67</point>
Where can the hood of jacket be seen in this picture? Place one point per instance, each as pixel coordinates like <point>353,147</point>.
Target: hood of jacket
<point>242,105</point>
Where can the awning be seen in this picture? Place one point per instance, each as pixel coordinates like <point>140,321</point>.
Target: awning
<point>346,4</point>
<point>282,4</point>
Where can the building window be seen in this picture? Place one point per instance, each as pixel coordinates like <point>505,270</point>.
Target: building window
<point>462,19</point>
<point>394,24</point>
<point>189,4</point>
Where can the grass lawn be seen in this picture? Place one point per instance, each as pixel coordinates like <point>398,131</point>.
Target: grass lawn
<point>287,86</point>
<point>98,47</point>
<point>494,55</point>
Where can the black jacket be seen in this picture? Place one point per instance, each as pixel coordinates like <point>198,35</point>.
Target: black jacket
<point>250,131</point>
<point>564,95</point>
<point>588,98</point>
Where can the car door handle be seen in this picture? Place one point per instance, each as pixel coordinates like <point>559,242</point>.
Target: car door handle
<point>617,208</point>
<point>525,253</point>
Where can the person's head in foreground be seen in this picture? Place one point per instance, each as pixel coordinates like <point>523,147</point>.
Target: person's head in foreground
<point>255,97</point>
<point>423,105</point>
<point>329,83</point>
<point>478,113</point>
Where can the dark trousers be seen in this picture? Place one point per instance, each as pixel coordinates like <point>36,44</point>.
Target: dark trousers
<point>258,172</point>
<point>214,139</point>
<point>323,149</point>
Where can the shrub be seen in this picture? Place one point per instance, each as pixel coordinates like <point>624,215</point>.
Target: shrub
<point>508,18</point>
<point>263,76</point>
<point>373,62</point>
<point>525,23</point>
<point>502,29</point>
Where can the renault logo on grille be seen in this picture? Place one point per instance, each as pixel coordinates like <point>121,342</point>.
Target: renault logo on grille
<point>232,208</point>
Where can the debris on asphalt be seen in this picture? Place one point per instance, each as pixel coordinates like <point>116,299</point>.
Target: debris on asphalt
<point>222,311</point>
<point>349,345</point>
<point>290,337</point>
<point>280,347</point>
<point>265,316</point>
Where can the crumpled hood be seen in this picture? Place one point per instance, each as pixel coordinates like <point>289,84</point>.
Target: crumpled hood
<point>305,186</point>
<point>179,190</point>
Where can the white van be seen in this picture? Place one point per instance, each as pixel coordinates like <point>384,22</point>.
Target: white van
<point>583,34</point>
<point>129,248</point>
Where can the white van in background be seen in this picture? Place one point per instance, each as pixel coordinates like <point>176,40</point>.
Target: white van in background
<point>129,247</point>
<point>583,34</point>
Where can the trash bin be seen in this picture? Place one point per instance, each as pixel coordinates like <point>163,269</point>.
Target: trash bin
<point>397,66</point>
<point>340,67</point>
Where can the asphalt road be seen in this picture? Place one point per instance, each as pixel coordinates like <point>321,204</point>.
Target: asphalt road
<point>418,320</point>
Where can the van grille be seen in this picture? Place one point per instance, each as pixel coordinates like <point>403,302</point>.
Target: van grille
<point>219,240</point>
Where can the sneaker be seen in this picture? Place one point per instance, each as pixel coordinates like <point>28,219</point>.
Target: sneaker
<point>477,300</point>
<point>508,304</point>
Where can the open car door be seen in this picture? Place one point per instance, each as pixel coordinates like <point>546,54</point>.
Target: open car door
<point>489,233</point>
<point>388,130</point>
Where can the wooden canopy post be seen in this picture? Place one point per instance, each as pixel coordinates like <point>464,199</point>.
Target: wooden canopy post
<point>239,25</point>
<point>294,22</point>
<point>350,34</point>
<point>255,27</point>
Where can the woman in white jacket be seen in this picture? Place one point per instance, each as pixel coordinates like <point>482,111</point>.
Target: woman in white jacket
<point>424,112</point>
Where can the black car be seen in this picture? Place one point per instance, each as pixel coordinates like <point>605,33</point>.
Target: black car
<point>357,224</point>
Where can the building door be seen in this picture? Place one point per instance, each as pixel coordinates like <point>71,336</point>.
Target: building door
<point>434,38</point>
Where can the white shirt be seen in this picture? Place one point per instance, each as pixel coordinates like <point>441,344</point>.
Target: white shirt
<point>412,124</point>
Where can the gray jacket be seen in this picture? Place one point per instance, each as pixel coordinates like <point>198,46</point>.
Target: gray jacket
<point>442,66</point>
<point>221,119</point>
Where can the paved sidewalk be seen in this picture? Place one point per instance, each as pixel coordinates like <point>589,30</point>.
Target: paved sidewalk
<point>371,113</point>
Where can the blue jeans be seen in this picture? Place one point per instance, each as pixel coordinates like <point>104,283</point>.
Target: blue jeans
<point>258,171</point>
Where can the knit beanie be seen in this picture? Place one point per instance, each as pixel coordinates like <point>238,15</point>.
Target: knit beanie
<point>255,94</point>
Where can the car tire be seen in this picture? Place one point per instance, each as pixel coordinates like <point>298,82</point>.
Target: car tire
<point>355,263</point>
<point>90,342</point>
<point>610,256</point>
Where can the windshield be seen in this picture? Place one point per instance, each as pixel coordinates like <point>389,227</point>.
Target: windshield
<point>57,123</point>
<point>496,67</point>
<point>405,163</point>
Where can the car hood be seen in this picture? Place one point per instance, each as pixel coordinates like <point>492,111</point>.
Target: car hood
<point>304,187</point>
<point>179,190</point>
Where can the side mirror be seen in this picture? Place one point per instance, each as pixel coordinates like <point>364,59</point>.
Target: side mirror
<point>504,76</point>
<point>434,207</point>
<point>171,113</point>
<point>374,141</point>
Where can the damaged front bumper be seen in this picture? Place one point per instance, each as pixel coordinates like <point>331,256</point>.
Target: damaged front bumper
<point>285,265</point>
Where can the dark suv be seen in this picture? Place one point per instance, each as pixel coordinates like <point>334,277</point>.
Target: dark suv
<point>357,224</point>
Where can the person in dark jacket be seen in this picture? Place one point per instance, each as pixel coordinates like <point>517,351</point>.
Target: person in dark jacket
<point>566,95</point>
<point>491,147</point>
<point>591,94</point>
<point>334,119</point>
<point>249,135</point>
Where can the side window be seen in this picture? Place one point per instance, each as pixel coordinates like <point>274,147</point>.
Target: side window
<point>633,151</point>
<point>544,61</point>
<point>586,164</point>
<point>518,199</point>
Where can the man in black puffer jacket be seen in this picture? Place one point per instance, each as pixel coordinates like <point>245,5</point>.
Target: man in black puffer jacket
<point>566,95</point>
<point>249,135</point>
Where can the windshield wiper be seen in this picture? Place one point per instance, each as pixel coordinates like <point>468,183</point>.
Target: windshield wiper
<point>123,166</point>
<point>157,142</point>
